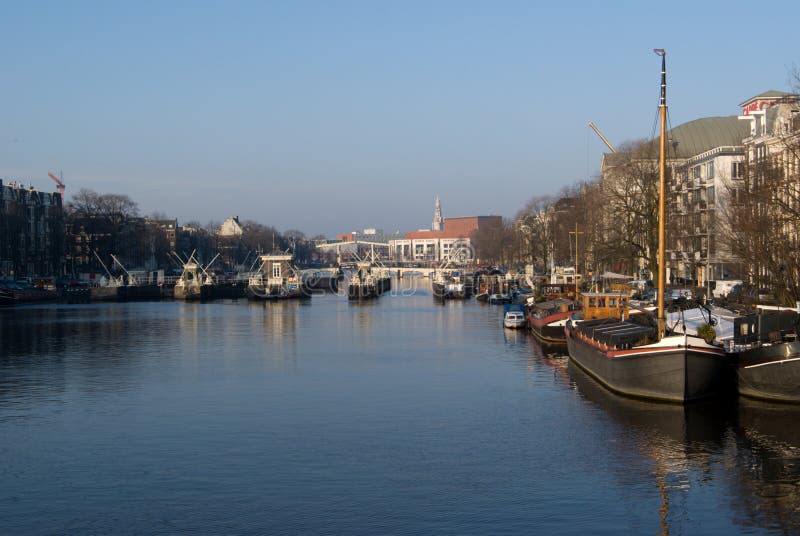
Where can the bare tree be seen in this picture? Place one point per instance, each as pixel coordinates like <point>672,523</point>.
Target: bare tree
<point>533,230</point>
<point>630,198</point>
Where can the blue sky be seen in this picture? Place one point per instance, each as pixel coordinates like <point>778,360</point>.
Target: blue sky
<point>334,116</point>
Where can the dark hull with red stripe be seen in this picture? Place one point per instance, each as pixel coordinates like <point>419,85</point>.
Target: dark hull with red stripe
<point>667,371</point>
<point>547,333</point>
<point>770,372</point>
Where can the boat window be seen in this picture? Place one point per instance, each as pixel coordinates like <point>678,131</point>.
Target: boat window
<point>592,302</point>
<point>601,302</point>
<point>276,269</point>
<point>612,302</point>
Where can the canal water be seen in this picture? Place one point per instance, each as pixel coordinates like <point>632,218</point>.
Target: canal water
<point>398,416</point>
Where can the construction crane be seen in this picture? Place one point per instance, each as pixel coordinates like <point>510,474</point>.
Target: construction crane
<point>608,143</point>
<point>59,182</point>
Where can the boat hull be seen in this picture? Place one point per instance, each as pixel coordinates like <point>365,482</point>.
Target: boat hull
<point>359,292</point>
<point>139,292</point>
<point>550,329</point>
<point>26,297</point>
<point>193,292</point>
<point>770,372</point>
<point>446,291</point>
<point>275,292</point>
<point>670,373</point>
<point>108,293</point>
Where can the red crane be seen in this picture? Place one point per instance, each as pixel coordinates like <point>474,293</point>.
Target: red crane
<point>59,182</point>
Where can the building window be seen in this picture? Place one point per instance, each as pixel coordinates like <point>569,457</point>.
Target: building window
<point>710,195</point>
<point>710,171</point>
<point>737,170</point>
<point>696,173</point>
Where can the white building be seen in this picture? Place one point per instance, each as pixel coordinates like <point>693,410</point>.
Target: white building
<point>230,228</point>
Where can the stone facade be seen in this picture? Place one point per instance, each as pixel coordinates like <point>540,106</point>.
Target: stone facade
<point>31,232</point>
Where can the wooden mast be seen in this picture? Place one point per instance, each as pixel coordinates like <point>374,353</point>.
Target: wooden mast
<point>662,210</point>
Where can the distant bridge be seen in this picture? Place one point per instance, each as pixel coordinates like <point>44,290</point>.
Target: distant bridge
<point>338,245</point>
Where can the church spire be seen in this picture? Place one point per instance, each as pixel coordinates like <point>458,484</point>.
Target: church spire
<point>437,216</point>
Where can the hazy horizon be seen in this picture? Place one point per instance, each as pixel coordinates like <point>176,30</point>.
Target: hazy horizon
<point>335,117</point>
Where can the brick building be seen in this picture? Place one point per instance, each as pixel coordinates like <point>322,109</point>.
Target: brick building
<point>452,239</point>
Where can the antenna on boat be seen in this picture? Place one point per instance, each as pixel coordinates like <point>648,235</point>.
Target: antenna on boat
<point>662,211</point>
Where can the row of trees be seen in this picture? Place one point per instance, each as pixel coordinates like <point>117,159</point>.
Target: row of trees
<point>101,225</point>
<point>763,220</point>
<point>756,220</point>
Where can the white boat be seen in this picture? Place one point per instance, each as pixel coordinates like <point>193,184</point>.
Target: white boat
<point>514,320</point>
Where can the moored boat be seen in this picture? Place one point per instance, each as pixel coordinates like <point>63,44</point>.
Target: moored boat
<point>635,356</point>
<point>627,357</point>
<point>499,298</point>
<point>276,279</point>
<point>105,290</point>
<point>139,285</point>
<point>321,280</point>
<point>766,353</point>
<point>13,293</point>
<point>547,320</point>
<point>514,317</point>
<point>450,284</point>
<point>195,283</point>
<point>368,282</point>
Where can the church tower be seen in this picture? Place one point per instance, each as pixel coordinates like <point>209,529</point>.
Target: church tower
<point>437,217</point>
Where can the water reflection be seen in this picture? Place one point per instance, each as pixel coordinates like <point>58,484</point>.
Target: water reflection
<point>555,362</point>
<point>46,349</point>
<point>437,410</point>
<point>767,466</point>
<point>680,441</point>
<point>277,320</point>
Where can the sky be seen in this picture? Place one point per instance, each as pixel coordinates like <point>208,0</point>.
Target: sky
<point>333,116</point>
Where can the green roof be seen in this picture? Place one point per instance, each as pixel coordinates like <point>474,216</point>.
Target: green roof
<point>693,138</point>
<point>701,135</point>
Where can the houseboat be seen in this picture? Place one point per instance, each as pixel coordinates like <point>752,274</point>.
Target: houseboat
<point>634,354</point>
<point>766,353</point>
<point>14,293</point>
<point>548,319</point>
<point>450,284</point>
<point>276,279</point>
<point>194,283</point>
<point>367,282</point>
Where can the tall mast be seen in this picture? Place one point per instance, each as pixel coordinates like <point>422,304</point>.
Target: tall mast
<point>662,195</point>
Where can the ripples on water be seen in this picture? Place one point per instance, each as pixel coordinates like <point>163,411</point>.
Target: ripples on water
<point>399,416</point>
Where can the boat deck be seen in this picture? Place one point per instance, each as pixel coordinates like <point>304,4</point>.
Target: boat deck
<point>620,334</point>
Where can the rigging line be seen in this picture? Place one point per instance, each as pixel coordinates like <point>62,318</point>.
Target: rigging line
<point>672,150</point>
<point>655,128</point>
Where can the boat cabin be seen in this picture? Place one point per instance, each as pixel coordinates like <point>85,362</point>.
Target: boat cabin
<point>597,305</point>
<point>769,325</point>
<point>553,291</point>
<point>550,307</point>
<point>190,272</point>
<point>277,268</point>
